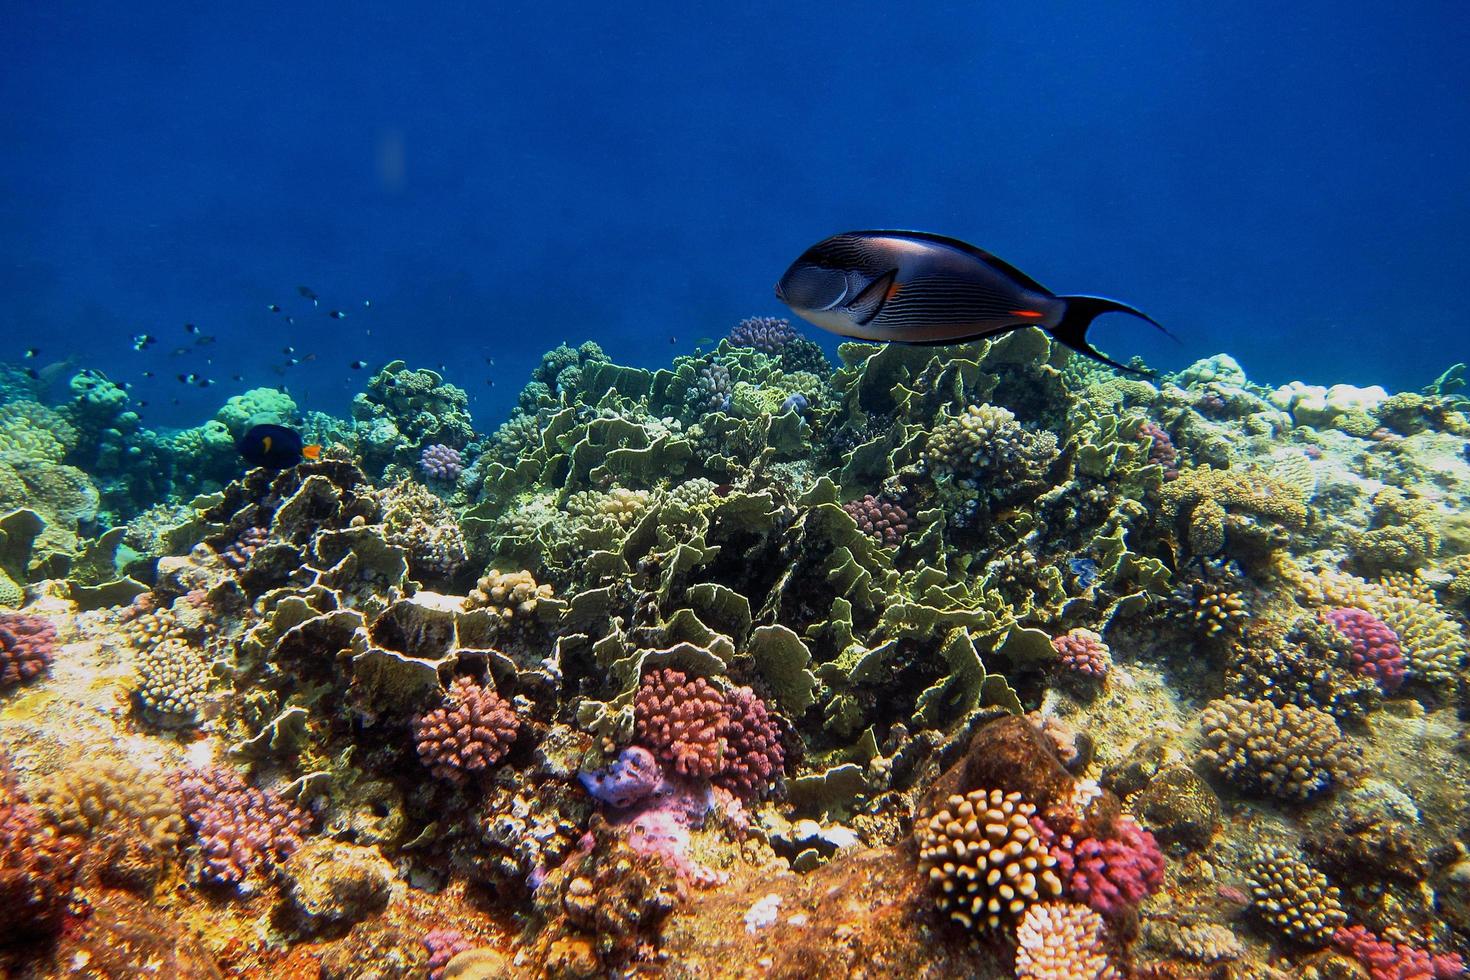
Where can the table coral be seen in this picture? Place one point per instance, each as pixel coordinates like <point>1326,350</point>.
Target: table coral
<point>27,647</point>
<point>983,858</point>
<point>471,732</point>
<point>1062,941</point>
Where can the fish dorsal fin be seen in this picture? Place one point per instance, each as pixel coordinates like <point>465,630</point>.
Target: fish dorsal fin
<point>994,261</point>
<point>869,303</point>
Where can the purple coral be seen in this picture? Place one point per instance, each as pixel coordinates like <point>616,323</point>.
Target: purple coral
<point>767,334</point>
<point>1385,960</point>
<point>1375,647</point>
<point>1111,875</point>
<point>470,733</point>
<point>441,462</point>
<point>239,827</point>
<point>1083,652</point>
<point>239,552</point>
<point>754,757</point>
<point>27,646</point>
<point>629,779</point>
<point>443,945</point>
<point>685,722</point>
<point>1161,449</point>
<point>880,518</point>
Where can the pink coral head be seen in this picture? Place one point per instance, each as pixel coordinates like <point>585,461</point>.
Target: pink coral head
<point>27,647</point>
<point>1083,653</point>
<point>1111,875</point>
<point>1375,647</point>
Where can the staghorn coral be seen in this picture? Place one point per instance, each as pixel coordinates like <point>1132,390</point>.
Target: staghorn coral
<point>1295,900</point>
<point>754,758</point>
<point>27,647</point>
<point>880,518</point>
<point>238,827</point>
<point>686,722</point>
<point>441,462</point>
<point>171,682</point>
<point>1375,647</point>
<point>984,859</point>
<point>1218,507</point>
<point>470,733</point>
<point>1061,941</point>
<point>767,334</point>
<point>1083,653</point>
<point>1289,752</point>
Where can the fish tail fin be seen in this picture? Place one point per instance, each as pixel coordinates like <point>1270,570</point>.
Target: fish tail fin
<point>1071,329</point>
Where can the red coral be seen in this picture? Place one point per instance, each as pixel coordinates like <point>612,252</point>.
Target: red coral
<point>471,733</point>
<point>754,758</point>
<point>1111,875</point>
<point>1376,652</point>
<point>239,827</point>
<point>1395,961</point>
<point>1161,450</point>
<point>27,646</point>
<point>443,945</point>
<point>1083,652</point>
<point>882,519</point>
<point>686,722</point>
<point>37,870</point>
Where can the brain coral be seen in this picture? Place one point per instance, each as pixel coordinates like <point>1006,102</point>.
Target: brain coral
<point>1061,941</point>
<point>1288,752</point>
<point>1292,897</point>
<point>470,733</point>
<point>27,646</point>
<point>984,859</point>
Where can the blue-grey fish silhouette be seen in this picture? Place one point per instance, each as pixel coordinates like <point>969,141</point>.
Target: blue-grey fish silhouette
<point>912,287</point>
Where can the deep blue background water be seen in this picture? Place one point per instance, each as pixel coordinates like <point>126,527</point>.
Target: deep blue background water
<point>1287,182</point>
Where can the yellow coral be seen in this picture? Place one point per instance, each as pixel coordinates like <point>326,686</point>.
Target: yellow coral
<point>1218,503</point>
<point>511,595</point>
<point>1402,533</point>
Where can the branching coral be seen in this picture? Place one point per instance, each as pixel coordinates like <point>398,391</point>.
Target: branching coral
<point>512,596</point>
<point>1083,653</point>
<point>767,334</point>
<point>1294,899</point>
<point>423,525</point>
<point>754,758</point>
<point>883,519</point>
<point>1111,874</point>
<point>1062,941</point>
<point>1289,752</point>
<point>469,734</point>
<point>172,679</point>
<point>239,828</point>
<point>685,722</point>
<point>37,869</point>
<point>1375,647</point>
<point>984,859</point>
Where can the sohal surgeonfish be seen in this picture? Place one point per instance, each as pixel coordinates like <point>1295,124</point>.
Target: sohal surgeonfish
<point>911,287</point>
<point>275,447</point>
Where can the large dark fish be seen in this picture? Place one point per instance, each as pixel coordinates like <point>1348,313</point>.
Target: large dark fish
<point>911,287</point>
<point>275,447</point>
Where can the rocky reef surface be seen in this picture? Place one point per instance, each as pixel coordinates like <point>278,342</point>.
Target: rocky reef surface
<point>974,661</point>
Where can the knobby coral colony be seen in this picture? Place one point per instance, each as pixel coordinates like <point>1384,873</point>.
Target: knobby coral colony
<point>752,659</point>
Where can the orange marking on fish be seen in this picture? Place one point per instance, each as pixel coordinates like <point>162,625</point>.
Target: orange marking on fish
<point>266,443</point>
<point>893,289</point>
<point>1029,314</point>
<point>311,452</point>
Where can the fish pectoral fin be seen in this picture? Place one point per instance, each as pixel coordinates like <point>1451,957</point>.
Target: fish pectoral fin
<point>869,303</point>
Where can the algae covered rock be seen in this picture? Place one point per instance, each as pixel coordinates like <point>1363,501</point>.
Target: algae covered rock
<point>330,883</point>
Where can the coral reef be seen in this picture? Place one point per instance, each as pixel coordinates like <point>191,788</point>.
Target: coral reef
<point>469,734</point>
<point>238,827</point>
<point>1292,898</point>
<point>27,647</point>
<point>37,870</point>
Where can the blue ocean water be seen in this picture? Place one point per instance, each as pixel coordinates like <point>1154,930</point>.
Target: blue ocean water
<point>1289,183</point>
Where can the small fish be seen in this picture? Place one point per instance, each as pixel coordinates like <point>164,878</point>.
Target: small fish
<point>337,315</point>
<point>911,287</point>
<point>177,351</point>
<point>275,447</point>
<point>274,308</point>
<point>33,352</point>
<point>367,303</point>
<point>288,350</point>
<point>292,361</point>
<point>309,357</point>
<point>147,374</point>
<point>308,293</point>
<point>673,339</point>
<point>237,377</point>
<point>490,361</point>
<point>204,382</point>
<point>142,404</point>
<point>358,365</point>
<point>186,378</point>
<point>144,340</point>
<point>205,339</point>
<point>190,328</point>
<point>290,319</point>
